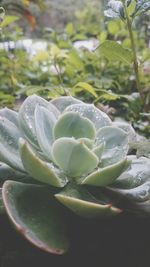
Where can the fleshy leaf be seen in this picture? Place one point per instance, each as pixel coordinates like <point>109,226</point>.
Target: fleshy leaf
<point>89,111</point>
<point>36,215</point>
<point>138,194</point>
<point>73,157</point>
<point>112,136</point>
<point>27,119</point>
<point>107,175</point>
<point>116,144</point>
<point>2,208</point>
<point>10,115</point>
<point>62,102</point>
<point>9,151</point>
<point>127,128</point>
<point>40,170</point>
<point>99,150</point>
<point>44,123</point>
<point>71,124</point>
<point>136,175</point>
<point>81,202</point>
<point>7,173</point>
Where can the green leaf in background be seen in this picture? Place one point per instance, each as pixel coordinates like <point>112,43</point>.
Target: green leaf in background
<point>2,14</point>
<point>8,20</point>
<point>87,87</point>
<point>69,29</point>
<point>114,51</point>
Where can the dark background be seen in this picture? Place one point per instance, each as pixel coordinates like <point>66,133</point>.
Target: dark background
<point>121,241</point>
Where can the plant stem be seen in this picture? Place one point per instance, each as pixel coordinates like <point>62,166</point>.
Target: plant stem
<point>135,61</point>
<point>60,78</point>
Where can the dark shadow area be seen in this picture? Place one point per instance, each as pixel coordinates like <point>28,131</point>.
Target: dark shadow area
<point>121,241</point>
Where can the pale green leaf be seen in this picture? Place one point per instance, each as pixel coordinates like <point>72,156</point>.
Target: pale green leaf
<point>73,157</point>
<point>106,176</point>
<point>9,150</point>
<point>81,202</point>
<point>40,170</point>
<point>44,123</point>
<point>115,52</point>
<point>64,101</point>
<point>89,111</point>
<point>71,124</point>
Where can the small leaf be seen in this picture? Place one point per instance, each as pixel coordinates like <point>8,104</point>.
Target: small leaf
<point>114,51</point>
<point>106,176</point>
<point>81,202</point>
<point>73,156</point>
<point>40,170</point>
<point>8,20</point>
<point>87,87</point>
<point>69,29</point>
<point>36,215</point>
<point>71,124</point>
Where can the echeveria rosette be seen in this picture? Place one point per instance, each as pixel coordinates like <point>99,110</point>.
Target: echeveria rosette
<point>58,152</point>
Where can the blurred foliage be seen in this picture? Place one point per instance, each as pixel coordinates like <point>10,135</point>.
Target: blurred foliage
<point>93,75</point>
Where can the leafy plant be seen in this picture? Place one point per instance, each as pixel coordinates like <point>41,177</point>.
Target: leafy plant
<point>66,155</point>
<point>127,11</point>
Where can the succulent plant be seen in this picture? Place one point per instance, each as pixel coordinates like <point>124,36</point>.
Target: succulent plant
<point>66,155</point>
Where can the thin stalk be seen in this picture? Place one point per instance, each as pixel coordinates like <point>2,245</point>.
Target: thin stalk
<point>133,46</point>
<point>60,78</point>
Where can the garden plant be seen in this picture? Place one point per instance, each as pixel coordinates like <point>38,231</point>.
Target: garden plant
<point>66,155</point>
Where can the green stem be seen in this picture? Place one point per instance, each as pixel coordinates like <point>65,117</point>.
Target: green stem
<point>135,61</point>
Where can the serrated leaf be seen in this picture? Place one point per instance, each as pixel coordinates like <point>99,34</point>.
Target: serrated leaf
<point>114,51</point>
<point>40,170</point>
<point>73,157</point>
<point>71,124</point>
<point>36,215</point>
